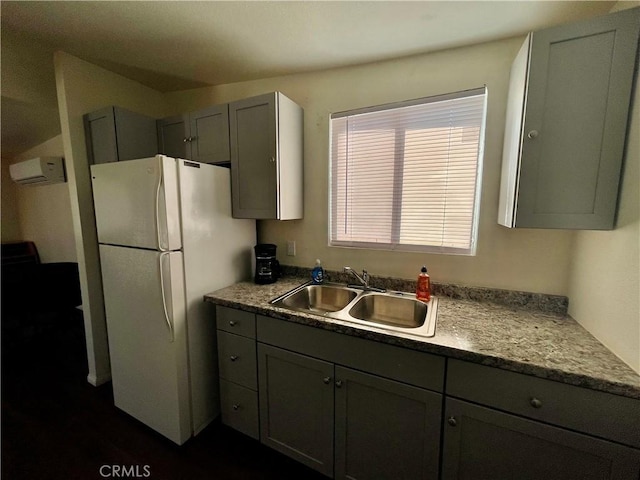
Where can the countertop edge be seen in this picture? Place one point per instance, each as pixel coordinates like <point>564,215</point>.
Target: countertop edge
<point>497,361</point>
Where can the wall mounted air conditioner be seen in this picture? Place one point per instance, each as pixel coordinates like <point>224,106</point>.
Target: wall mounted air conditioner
<point>38,171</point>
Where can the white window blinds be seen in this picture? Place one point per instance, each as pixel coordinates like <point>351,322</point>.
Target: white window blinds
<point>407,176</point>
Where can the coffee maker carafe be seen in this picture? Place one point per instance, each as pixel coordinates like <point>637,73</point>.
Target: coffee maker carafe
<point>267,267</point>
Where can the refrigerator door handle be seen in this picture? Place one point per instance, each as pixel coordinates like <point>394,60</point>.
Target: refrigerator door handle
<point>164,298</point>
<point>158,189</point>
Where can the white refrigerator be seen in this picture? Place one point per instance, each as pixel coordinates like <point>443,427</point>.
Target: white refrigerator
<point>166,238</point>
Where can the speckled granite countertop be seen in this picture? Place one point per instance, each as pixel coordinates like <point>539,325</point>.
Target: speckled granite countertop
<point>546,345</point>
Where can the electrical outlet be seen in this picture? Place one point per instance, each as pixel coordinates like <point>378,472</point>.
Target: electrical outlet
<point>291,248</point>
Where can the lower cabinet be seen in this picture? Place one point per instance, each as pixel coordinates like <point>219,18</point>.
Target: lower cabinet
<point>345,423</point>
<point>296,406</point>
<point>506,425</point>
<point>483,443</point>
<point>384,429</point>
<point>236,331</point>
<point>357,409</point>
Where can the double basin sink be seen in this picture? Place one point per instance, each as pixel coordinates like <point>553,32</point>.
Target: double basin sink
<point>395,311</point>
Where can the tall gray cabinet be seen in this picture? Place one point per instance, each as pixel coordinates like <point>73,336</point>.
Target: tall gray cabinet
<point>113,134</point>
<point>569,96</point>
<point>201,136</point>
<point>266,157</point>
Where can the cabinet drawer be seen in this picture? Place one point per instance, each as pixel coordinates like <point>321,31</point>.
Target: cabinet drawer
<point>407,366</point>
<point>598,413</point>
<point>239,406</point>
<point>236,321</point>
<point>237,359</point>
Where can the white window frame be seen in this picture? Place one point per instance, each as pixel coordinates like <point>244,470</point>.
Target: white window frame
<point>398,160</point>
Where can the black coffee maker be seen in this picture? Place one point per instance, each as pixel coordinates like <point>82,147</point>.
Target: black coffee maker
<point>267,267</point>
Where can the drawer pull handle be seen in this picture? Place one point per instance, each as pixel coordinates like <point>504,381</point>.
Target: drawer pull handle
<point>535,403</point>
<point>532,134</point>
<point>235,406</point>
<point>232,323</point>
<point>452,421</point>
<point>234,358</point>
<point>338,383</point>
<point>326,380</point>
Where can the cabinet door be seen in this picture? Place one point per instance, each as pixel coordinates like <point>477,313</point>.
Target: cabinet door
<point>481,443</point>
<point>209,132</point>
<point>173,137</point>
<point>114,134</point>
<point>296,406</point>
<point>136,135</point>
<point>579,90</point>
<point>385,429</point>
<point>253,157</point>
<point>100,134</point>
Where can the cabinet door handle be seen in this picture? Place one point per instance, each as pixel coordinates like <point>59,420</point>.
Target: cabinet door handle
<point>532,134</point>
<point>233,358</point>
<point>452,421</point>
<point>338,383</point>
<point>535,403</point>
<point>326,380</point>
<point>185,139</point>
<point>232,323</point>
<point>235,406</point>
<point>272,159</point>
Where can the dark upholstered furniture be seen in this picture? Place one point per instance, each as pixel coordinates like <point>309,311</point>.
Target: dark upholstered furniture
<point>34,294</point>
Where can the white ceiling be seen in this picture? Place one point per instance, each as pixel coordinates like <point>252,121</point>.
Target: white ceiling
<point>177,45</point>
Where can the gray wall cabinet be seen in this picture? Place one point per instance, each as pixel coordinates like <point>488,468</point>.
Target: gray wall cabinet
<point>201,136</point>
<point>531,428</point>
<point>113,134</point>
<point>569,96</point>
<point>266,157</point>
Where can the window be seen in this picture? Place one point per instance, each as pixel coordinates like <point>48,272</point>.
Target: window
<point>407,176</point>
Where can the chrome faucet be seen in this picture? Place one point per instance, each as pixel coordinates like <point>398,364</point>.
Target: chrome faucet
<point>364,280</point>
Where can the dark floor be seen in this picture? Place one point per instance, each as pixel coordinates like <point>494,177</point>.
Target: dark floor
<point>55,425</point>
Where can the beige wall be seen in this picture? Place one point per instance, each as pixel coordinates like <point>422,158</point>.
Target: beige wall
<point>82,88</point>
<point>44,211</point>
<point>10,226</point>
<point>529,260</point>
<point>605,269</point>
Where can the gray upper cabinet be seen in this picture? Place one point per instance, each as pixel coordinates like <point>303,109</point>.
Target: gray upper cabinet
<point>266,157</point>
<point>113,134</point>
<point>569,97</point>
<point>201,136</point>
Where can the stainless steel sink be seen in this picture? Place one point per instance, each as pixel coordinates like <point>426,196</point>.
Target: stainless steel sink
<point>390,310</point>
<point>319,298</point>
<point>396,311</point>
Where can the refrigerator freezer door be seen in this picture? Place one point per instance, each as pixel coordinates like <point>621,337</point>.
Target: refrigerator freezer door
<point>148,349</point>
<point>136,203</point>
